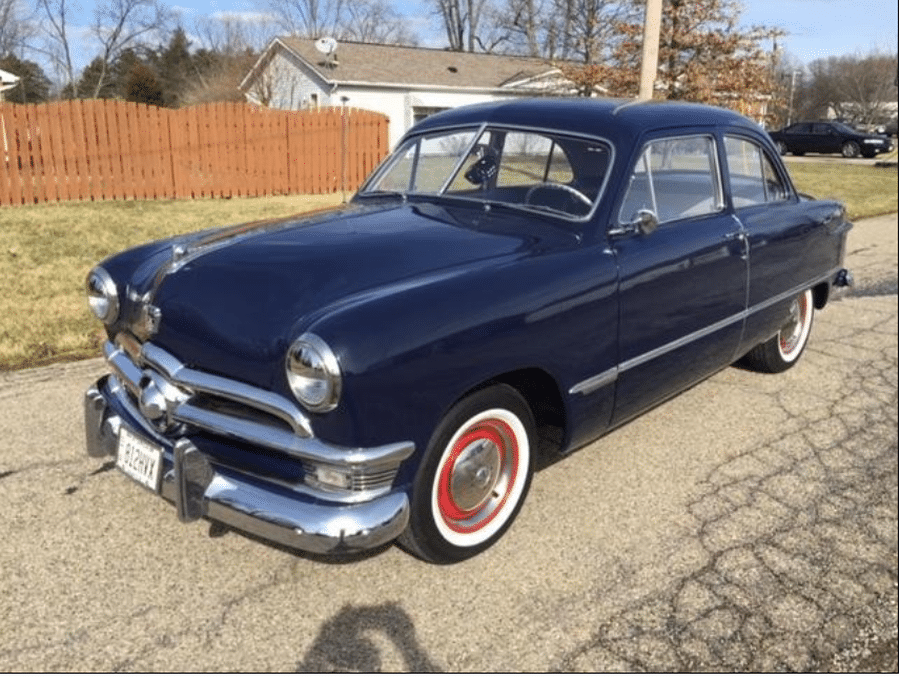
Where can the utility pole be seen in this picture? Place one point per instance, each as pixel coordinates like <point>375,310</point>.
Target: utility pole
<point>794,75</point>
<point>650,55</point>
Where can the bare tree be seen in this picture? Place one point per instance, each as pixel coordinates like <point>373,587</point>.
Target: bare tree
<point>855,88</point>
<point>307,18</point>
<point>233,33</point>
<point>55,39</point>
<point>582,31</point>
<point>122,24</point>
<point>16,27</point>
<point>471,25</point>
<point>230,44</point>
<point>375,21</point>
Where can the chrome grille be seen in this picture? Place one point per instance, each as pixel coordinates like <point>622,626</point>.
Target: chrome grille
<point>185,399</point>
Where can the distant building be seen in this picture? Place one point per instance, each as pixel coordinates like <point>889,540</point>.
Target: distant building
<point>404,83</point>
<point>7,82</point>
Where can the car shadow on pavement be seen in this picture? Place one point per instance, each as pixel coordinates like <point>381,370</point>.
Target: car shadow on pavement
<point>362,639</point>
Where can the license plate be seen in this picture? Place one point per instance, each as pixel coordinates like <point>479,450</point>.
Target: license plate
<point>139,459</point>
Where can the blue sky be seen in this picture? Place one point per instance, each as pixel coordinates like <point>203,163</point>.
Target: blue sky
<point>815,28</point>
<point>824,28</point>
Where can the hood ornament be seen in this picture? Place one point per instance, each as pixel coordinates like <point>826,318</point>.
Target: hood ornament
<point>147,316</point>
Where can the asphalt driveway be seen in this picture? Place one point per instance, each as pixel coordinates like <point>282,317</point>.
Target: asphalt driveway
<point>751,524</point>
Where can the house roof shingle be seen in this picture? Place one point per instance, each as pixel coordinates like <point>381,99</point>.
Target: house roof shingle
<point>411,66</point>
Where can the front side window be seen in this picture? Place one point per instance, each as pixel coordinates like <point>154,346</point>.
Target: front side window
<point>424,165</point>
<point>537,171</point>
<point>751,174</point>
<point>675,178</point>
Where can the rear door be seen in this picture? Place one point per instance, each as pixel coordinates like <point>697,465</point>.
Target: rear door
<point>827,139</point>
<point>790,245</point>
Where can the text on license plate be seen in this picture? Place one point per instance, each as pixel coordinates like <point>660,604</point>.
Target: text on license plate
<point>139,459</point>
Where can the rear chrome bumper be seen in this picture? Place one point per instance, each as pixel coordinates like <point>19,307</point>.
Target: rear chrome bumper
<point>280,513</point>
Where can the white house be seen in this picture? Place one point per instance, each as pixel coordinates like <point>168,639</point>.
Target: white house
<point>404,83</point>
<point>7,82</point>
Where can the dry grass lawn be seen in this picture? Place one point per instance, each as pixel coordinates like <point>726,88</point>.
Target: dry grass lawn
<point>46,251</point>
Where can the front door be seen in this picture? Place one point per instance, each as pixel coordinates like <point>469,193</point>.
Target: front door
<point>683,286</point>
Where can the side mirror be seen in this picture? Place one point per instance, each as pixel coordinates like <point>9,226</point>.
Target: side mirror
<point>642,222</point>
<point>484,168</point>
<point>645,221</point>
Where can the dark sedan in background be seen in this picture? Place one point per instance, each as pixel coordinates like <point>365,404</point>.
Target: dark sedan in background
<point>828,137</point>
<point>513,272</point>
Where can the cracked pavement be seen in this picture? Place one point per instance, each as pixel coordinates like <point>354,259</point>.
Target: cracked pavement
<point>750,524</point>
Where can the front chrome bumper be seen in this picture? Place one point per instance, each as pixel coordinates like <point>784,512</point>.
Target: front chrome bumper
<point>199,487</point>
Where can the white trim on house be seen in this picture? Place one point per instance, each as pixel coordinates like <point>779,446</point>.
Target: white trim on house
<point>398,81</point>
<point>7,82</point>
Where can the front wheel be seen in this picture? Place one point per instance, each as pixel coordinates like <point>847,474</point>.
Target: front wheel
<point>474,477</point>
<point>783,350</point>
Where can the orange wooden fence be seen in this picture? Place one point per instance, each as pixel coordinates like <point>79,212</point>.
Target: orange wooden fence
<point>103,149</point>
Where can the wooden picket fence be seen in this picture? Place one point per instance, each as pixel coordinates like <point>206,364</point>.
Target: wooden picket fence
<point>101,150</point>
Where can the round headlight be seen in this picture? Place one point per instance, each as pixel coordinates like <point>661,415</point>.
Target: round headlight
<point>313,373</point>
<point>103,297</point>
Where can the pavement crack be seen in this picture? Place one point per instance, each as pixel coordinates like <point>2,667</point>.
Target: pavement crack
<point>798,541</point>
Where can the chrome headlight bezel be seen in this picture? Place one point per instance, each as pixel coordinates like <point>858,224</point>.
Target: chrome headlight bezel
<point>313,373</point>
<point>103,295</point>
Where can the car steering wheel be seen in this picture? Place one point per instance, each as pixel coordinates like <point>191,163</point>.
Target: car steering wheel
<point>561,187</point>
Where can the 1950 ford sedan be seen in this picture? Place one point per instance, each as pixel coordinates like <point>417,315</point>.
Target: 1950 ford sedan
<point>385,371</point>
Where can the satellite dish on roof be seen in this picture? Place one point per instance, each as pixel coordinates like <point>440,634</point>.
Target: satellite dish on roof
<point>326,45</point>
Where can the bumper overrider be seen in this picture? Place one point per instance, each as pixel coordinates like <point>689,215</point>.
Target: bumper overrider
<point>342,501</point>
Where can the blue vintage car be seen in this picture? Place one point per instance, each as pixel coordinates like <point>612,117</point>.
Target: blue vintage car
<point>513,272</point>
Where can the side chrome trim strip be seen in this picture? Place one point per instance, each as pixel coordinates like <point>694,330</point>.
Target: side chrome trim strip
<point>592,384</point>
<point>609,376</point>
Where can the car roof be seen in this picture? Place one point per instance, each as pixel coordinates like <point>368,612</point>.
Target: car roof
<point>587,116</point>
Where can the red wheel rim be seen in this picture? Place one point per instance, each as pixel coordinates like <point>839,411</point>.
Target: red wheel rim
<point>477,477</point>
<point>792,333</point>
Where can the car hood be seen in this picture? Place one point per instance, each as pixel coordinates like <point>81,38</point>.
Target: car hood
<point>232,301</point>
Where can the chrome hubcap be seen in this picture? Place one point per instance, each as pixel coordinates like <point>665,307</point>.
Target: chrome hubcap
<point>792,331</point>
<point>475,475</point>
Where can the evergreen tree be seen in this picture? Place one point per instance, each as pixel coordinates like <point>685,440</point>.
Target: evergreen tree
<point>91,76</point>
<point>144,87</point>
<point>175,68</point>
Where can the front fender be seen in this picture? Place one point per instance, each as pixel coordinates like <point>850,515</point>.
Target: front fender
<point>408,356</point>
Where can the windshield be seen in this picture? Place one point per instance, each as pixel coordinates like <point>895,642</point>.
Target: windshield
<point>539,171</point>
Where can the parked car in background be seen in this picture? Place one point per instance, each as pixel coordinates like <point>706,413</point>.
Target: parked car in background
<point>829,137</point>
<point>889,129</point>
<point>514,272</point>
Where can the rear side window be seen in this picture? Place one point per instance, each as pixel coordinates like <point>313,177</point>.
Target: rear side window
<point>751,174</point>
<point>674,178</point>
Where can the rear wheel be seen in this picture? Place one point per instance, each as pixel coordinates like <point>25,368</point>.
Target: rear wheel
<point>474,477</point>
<point>783,350</point>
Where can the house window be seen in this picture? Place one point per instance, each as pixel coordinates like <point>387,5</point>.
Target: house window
<point>420,113</point>
<point>314,100</point>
